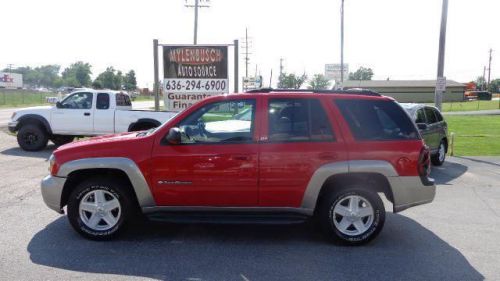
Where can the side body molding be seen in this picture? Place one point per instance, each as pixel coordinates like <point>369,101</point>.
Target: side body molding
<point>330,169</point>
<point>126,165</point>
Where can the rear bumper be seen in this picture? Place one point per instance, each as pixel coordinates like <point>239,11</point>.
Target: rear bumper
<point>411,191</point>
<point>51,192</point>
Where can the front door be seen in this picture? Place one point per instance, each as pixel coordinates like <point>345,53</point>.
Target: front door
<point>216,163</point>
<point>74,116</point>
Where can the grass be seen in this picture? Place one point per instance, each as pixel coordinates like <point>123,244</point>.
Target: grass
<point>475,135</point>
<point>144,98</point>
<point>469,105</point>
<point>22,98</point>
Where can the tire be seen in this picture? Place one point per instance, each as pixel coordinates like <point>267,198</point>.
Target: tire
<point>354,228</point>
<point>439,158</point>
<point>96,221</point>
<point>32,137</point>
<point>59,140</point>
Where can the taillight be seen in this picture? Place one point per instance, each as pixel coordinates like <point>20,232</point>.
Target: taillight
<point>424,162</point>
<point>53,166</point>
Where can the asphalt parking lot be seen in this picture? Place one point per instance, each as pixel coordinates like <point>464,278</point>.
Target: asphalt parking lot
<point>457,237</point>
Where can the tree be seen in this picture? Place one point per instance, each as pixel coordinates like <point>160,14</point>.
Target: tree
<point>319,82</point>
<point>494,86</point>
<point>45,75</point>
<point>291,81</point>
<point>78,75</point>
<point>129,81</point>
<point>361,74</point>
<point>480,83</point>
<point>109,79</point>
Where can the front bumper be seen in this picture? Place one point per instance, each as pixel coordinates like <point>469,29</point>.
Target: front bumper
<point>51,192</point>
<point>411,191</point>
<point>12,126</point>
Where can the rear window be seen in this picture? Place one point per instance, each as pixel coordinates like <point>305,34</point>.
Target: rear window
<point>123,100</point>
<point>431,117</point>
<point>377,120</point>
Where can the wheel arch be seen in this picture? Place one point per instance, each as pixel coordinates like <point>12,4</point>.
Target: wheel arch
<point>334,176</point>
<point>123,168</point>
<point>34,119</point>
<point>143,121</point>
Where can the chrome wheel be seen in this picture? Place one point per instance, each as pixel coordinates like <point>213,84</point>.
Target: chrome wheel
<point>100,210</point>
<point>353,215</point>
<point>441,152</point>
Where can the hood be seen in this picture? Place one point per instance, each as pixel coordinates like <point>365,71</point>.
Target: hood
<point>42,110</point>
<point>87,142</point>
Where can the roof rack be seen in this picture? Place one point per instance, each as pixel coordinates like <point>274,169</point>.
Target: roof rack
<point>364,92</point>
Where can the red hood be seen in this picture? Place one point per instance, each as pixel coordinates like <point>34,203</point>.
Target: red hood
<point>127,145</point>
<point>99,140</point>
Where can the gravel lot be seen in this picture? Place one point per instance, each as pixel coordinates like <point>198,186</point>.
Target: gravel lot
<point>457,237</point>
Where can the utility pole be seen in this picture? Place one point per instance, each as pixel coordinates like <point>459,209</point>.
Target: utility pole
<point>281,74</point>
<point>196,6</point>
<point>342,43</point>
<point>484,78</point>
<point>438,95</point>
<point>489,69</point>
<point>156,84</point>
<point>247,59</point>
<point>9,66</point>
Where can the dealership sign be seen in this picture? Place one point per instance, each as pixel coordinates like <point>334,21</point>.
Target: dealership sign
<point>193,72</point>
<point>332,71</point>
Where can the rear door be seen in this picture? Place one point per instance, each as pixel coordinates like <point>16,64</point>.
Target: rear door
<point>298,136</point>
<point>104,114</point>
<point>433,130</point>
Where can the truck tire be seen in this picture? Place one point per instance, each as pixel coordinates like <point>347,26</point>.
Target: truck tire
<point>32,137</point>
<point>352,215</point>
<point>59,140</point>
<point>99,208</point>
<point>438,158</point>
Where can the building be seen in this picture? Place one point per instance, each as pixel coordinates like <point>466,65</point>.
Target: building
<point>420,91</point>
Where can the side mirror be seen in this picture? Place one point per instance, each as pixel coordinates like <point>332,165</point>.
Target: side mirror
<point>59,104</point>
<point>422,126</point>
<point>174,136</point>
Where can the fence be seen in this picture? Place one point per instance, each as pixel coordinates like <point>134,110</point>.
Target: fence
<point>13,98</point>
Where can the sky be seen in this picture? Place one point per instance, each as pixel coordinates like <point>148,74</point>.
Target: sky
<point>398,39</point>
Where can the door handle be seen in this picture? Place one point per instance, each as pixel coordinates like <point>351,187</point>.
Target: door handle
<point>87,114</point>
<point>241,157</point>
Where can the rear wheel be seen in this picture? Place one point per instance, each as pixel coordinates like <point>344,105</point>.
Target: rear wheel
<point>32,138</point>
<point>59,140</point>
<point>352,216</point>
<point>99,208</point>
<point>438,158</point>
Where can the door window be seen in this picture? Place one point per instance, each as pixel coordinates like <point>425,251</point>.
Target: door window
<point>220,122</point>
<point>298,120</point>
<point>377,120</point>
<point>102,101</point>
<point>420,116</point>
<point>78,101</point>
<point>431,117</point>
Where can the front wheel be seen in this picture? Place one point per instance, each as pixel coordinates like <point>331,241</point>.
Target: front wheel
<point>99,208</point>
<point>352,216</point>
<point>32,138</point>
<point>440,156</point>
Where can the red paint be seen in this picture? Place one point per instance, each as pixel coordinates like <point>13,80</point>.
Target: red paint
<point>260,173</point>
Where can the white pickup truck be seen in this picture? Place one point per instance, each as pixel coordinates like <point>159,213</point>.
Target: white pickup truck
<point>82,113</point>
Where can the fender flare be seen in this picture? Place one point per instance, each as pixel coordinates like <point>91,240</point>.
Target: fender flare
<point>41,119</point>
<point>144,120</point>
<point>345,167</point>
<point>139,183</point>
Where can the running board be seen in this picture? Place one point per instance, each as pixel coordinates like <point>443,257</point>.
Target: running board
<point>226,217</point>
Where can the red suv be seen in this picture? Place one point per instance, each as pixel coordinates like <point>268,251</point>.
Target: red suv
<point>267,156</point>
